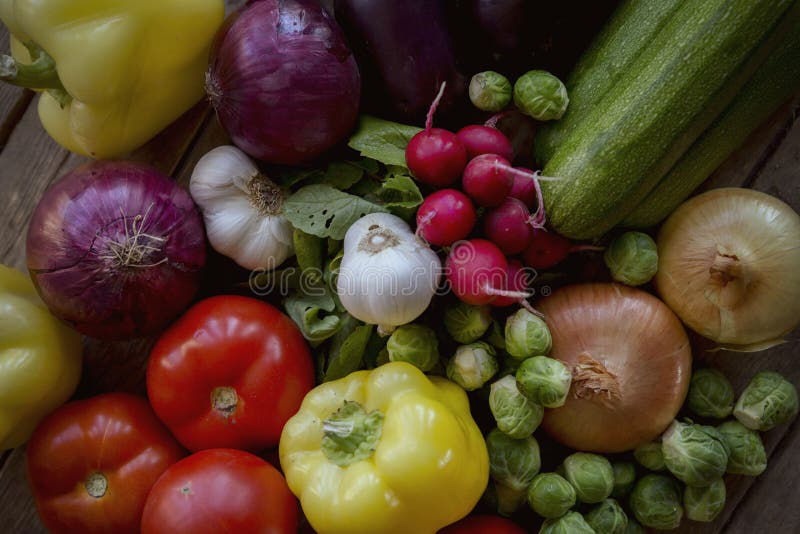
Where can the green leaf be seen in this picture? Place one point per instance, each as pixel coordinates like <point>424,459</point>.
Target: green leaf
<point>340,174</point>
<point>334,246</point>
<point>291,176</point>
<point>368,190</point>
<point>383,140</point>
<point>347,350</point>
<point>332,270</point>
<point>323,211</point>
<point>308,250</point>
<point>401,195</point>
<point>368,165</point>
<point>376,344</point>
<point>308,312</point>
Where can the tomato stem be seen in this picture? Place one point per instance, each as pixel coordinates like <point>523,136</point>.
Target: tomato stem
<point>96,485</point>
<point>224,400</point>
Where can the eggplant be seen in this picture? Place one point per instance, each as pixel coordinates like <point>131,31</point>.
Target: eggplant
<point>404,50</point>
<point>515,36</point>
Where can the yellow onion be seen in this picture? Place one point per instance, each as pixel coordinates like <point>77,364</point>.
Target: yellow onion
<point>729,267</point>
<point>630,360</point>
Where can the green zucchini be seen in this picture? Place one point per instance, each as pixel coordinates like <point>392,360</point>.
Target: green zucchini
<point>663,101</point>
<point>774,82</point>
<point>612,51</point>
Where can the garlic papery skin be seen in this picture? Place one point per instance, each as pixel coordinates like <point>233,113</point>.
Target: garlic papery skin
<point>729,267</point>
<point>388,276</point>
<point>242,209</point>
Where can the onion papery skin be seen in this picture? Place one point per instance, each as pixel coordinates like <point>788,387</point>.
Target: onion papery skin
<point>729,267</point>
<point>73,252</point>
<point>284,84</point>
<point>637,339</point>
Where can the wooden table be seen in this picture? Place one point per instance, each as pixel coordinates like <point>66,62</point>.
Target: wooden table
<point>30,161</point>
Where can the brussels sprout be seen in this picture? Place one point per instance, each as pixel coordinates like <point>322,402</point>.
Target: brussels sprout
<point>513,463</point>
<point>608,517</point>
<point>656,502</point>
<point>747,455</point>
<point>541,95</point>
<point>569,523</point>
<point>490,91</point>
<point>515,414</point>
<point>473,365</point>
<point>550,495</point>
<point>590,474</point>
<point>415,344</point>
<point>466,323</point>
<point>710,394</point>
<point>634,527</point>
<point>624,479</point>
<point>544,381</point>
<point>704,504</point>
<point>632,258</point>
<point>650,456</point>
<point>768,400</point>
<point>527,335</point>
<point>695,454</point>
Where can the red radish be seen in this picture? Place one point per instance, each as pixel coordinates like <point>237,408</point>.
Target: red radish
<point>487,180</point>
<point>517,279</point>
<point>479,139</point>
<point>445,217</point>
<point>508,226</point>
<point>477,270</point>
<point>524,187</point>
<point>548,249</point>
<point>435,156</point>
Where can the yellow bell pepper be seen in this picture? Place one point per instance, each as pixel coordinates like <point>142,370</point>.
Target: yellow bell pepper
<point>388,451</point>
<point>40,359</point>
<point>115,72</point>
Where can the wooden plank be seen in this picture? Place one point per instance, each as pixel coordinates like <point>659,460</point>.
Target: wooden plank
<point>28,164</point>
<point>771,505</point>
<point>776,175</point>
<point>13,100</point>
<point>765,502</point>
<point>744,165</point>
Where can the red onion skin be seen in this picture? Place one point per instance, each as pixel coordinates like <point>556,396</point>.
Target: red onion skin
<point>72,264</point>
<point>285,85</point>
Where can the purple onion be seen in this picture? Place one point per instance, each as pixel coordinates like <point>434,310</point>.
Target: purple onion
<point>115,249</point>
<point>283,81</point>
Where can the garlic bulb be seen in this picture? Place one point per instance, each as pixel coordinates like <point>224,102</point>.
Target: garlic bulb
<point>387,275</point>
<point>242,209</point>
<point>729,267</point>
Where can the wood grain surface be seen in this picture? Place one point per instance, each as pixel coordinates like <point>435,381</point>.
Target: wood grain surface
<point>30,161</point>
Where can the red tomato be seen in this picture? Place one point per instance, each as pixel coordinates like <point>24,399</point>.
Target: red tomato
<point>229,373</point>
<point>483,524</point>
<point>92,463</point>
<point>220,490</point>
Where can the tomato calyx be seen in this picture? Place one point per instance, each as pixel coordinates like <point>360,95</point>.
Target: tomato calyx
<point>224,399</point>
<point>96,485</point>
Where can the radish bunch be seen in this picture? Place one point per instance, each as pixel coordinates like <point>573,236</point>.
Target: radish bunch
<point>481,270</point>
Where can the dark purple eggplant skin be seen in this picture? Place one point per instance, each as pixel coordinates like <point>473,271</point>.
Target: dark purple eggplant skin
<point>404,50</point>
<point>515,36</point>
<point>502,22</point>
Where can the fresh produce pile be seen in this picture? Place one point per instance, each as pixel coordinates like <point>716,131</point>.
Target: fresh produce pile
<point>411,314</point>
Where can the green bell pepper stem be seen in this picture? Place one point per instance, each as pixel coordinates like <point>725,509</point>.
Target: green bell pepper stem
<point>40,74</point>
<point>351,434</point>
